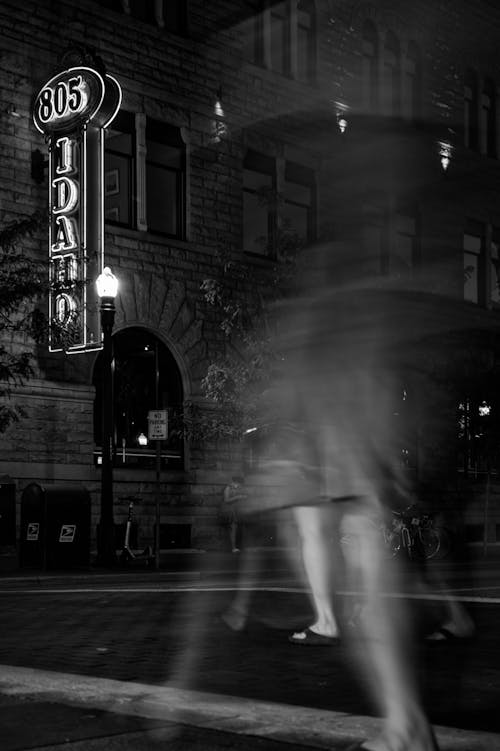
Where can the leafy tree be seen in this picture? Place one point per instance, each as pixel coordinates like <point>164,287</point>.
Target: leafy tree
<point>22,280</point>
<point>243,297</point>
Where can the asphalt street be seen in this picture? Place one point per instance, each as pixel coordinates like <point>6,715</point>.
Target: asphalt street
<point>138,658</point>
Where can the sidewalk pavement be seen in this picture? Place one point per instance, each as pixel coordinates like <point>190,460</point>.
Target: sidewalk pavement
<point>45,710</point>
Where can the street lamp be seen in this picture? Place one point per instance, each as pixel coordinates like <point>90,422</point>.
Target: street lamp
<point>107,288</point>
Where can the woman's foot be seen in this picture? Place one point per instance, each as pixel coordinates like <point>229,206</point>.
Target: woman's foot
<point>313,636</point>
<point>383,746</point>
<point>425,741</point>
<point>450,631</point>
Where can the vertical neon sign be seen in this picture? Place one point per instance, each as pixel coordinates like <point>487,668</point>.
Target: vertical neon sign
<point>72,110</point>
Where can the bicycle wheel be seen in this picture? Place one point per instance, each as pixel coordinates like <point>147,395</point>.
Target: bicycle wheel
<point>431,542</point>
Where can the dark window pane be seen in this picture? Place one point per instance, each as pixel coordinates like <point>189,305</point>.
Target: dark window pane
<point>142,9</point>
<point>168,156</point>
<point>119,170</point>
<point>174,15</point>
<point>258,217</point>
<point>255,225</point>
<point>163,200</point>
<point>279,39</point>
<point>165,183</point>
<point>145,378</point>
<point>305,41</point>
<point>298,210</point>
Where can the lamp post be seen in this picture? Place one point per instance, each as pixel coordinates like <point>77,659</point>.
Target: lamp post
<point>107,288</point>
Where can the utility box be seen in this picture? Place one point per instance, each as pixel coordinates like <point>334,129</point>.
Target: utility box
<point>55,527</point>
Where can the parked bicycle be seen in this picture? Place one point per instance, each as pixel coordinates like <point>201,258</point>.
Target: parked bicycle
<point>412,533</point>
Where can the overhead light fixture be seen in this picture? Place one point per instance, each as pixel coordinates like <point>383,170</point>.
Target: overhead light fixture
<point>341,110</point>
<point>445,150</point>
<point>342,123</point>
<point>12,112</point>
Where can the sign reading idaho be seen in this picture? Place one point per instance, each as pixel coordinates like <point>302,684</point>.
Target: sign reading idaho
<point>72,110</point>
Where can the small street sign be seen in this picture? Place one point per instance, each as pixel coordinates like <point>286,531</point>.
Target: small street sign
<point>67,533</point>
<point>33,531</point>
<point>157,425</point>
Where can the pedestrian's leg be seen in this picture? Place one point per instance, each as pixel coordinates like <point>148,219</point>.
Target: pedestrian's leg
<point>236,615</point>
<point>233,530</point>
<point>316,531</point>
<point>384,633</point>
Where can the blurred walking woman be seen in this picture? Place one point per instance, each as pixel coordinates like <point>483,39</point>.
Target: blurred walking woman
<point>342,339</point>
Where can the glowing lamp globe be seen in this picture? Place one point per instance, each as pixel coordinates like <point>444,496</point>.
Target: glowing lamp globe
<point>107,284</point>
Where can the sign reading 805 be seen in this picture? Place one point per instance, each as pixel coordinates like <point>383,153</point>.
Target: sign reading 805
<point>65,98</point>
<point>69,100</point>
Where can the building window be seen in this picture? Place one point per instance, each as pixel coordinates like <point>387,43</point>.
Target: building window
<point>165,173</point>
<point>297,211</point>
<point>487,129</point>
<point>391,101</point>
<point>145,378</point>
<point>259,197</point>
<point>412,84</point>
<point>281,36</point>
<point>145,175</point>
<point>482,264</point>
<point>166,14</point>
<point>253,30</point>
<point>119,171</point>
<point>495,266</point>
<point>306,34</point>
<point>478,418</point>
<point>471,128</point>
<point>370,67</point>
<point>474,251</point>
<point>287,201</point>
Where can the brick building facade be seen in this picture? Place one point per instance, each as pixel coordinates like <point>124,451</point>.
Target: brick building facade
<point>373,119</point>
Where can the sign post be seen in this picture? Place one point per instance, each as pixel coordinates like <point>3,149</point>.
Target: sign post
<point>157,431</point>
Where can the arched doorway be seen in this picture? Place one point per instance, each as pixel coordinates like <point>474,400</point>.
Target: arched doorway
<point>145,377</point>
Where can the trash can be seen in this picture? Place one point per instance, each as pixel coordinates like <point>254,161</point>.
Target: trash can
<point>7,512</point>
<point>55,527</point>
<point>8,538</point>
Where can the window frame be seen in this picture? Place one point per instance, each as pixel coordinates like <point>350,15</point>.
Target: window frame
<point>391,75</point>
<point>260,164</point>
<point>305,177</point>
<point>471,120</point>
<point>124,118</point>
<point>478,231</point>
<point>175,141</point>
<point>487,119</point>
<point>262,49</point>
<point>138,199</point>
<point>412,73</point>
<point>370,66</point>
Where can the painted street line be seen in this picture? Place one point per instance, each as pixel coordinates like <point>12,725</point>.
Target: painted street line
<point>439,596</point>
